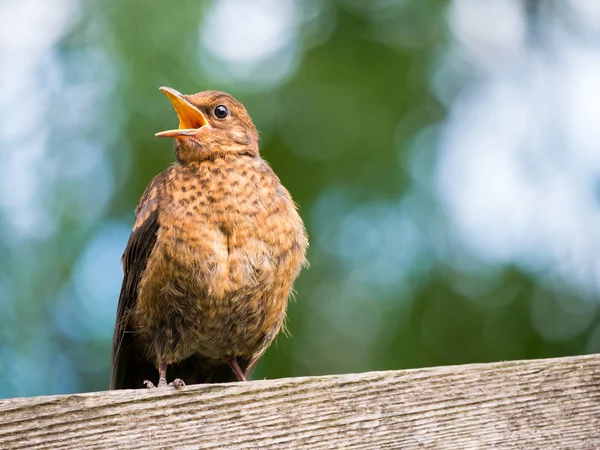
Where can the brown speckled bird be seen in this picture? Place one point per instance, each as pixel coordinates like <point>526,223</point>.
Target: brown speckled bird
<point>215,248</point>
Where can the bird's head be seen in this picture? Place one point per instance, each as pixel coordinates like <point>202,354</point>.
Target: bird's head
<point>212,124</point>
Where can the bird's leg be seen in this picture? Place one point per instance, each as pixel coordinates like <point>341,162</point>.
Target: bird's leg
<point>162,377</point>
<point>237,370</point>
<point>162,374</point>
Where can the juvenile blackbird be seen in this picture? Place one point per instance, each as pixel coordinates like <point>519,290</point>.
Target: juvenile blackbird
<point>215,248</point>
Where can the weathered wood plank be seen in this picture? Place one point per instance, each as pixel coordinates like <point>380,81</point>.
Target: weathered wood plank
<point>544,404</point>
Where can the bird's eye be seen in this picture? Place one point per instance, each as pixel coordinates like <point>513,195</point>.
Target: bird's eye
<point>221,111</point>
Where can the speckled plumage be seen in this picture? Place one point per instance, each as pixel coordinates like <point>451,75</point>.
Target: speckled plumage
<point>228,244</point>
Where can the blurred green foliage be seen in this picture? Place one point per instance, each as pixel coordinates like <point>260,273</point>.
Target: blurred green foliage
<point>351,123</point>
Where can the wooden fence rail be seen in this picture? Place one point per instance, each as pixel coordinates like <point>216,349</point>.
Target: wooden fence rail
<point>545,404</point>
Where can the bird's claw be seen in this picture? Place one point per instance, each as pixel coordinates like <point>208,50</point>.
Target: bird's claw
<point>177,383</point>
<point>162,383</point>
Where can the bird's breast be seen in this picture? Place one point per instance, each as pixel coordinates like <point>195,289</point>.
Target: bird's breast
<point>227,226</point>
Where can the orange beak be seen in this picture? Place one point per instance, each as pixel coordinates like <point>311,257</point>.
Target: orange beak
<point>191,118</point>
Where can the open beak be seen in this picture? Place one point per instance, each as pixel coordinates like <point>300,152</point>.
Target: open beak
<point>190,117</point>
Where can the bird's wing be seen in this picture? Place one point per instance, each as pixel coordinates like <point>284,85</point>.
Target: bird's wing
<point>125,363</point>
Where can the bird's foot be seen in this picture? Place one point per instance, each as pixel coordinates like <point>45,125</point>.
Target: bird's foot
<point>177,383</point>
<point>162,383</point>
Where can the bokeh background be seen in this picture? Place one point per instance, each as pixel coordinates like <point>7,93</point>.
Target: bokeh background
<point>444,154</point>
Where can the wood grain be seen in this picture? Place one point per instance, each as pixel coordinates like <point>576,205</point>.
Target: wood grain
<point>553,403</point>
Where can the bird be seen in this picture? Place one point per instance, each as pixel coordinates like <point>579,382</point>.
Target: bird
<point>216,246</point>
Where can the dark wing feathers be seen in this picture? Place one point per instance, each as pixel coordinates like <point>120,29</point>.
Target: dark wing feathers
<point>138,250</point>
